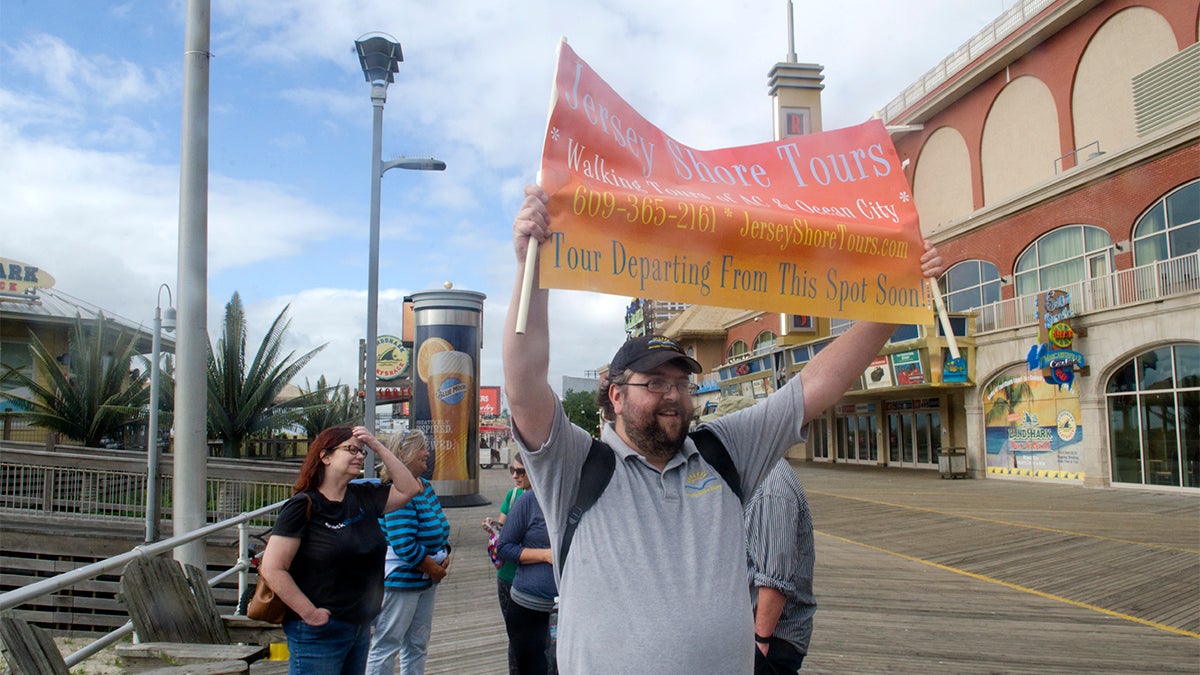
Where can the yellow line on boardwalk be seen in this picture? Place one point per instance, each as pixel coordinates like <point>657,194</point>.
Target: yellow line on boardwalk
<point>1018,587</point>
<point>1006,522</point>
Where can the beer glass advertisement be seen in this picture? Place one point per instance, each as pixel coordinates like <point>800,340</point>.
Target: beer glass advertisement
<point>445,398</point>
<point>1032,428</point>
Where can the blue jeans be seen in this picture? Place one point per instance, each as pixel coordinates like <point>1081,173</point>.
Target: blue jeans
<point>402,627</point>
<point>337,648</point>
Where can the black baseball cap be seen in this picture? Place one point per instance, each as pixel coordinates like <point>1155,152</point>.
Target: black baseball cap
<point>647,353</point>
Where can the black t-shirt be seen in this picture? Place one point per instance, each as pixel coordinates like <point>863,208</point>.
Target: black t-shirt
<point>339,564</point>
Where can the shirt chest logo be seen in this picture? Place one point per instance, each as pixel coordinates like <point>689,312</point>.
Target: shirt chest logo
<point>700,482</point>
<point>347,522</point>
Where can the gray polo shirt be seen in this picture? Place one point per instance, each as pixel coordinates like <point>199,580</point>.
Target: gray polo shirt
<point>656,581</point>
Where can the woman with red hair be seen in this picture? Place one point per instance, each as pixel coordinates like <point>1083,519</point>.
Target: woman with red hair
<point>325,555</point>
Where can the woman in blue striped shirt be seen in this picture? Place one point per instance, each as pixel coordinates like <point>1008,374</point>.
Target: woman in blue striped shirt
<point>418,556</point>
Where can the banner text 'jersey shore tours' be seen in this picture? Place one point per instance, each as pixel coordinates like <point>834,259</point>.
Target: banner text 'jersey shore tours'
<point>822,224</point>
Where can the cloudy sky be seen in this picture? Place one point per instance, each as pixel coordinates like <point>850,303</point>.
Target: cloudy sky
<point>90,110</point>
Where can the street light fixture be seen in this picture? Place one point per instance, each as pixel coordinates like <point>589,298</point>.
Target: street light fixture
<point>153,501</point>
<point>379,55</point>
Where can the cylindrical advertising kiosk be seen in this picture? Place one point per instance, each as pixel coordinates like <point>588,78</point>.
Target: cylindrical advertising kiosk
<point>446,342</point>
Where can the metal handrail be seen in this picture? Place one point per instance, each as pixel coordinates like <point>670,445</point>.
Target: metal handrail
<point>20,596</point>
<point>988,37</point>
<point>1122,288</point>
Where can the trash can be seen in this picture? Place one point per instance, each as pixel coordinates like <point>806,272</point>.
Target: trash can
<point>952,463</point>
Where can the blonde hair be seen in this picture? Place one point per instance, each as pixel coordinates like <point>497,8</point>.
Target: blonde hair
<point>405,445</point>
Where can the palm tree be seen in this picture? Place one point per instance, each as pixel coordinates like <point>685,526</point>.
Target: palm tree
<point>339,407</point>
<point>99,395</point>
<point>241,401</point>
<point>1008,400</point>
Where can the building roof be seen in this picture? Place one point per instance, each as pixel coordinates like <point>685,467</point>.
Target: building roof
<point>699,322</point>
<point>55,307</point>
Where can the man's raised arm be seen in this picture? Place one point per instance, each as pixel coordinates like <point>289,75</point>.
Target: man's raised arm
<point>527,356</point>
<point>835,368</point>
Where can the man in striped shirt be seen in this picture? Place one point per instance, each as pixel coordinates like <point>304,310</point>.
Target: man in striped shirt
<point>779,545</point>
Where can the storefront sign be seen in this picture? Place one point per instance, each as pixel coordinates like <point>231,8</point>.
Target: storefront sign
<point>391,358</point>
<point>18,278</point>
<point>823,224</point>
<point>1061,335</point>
<point>907,366</point>
<point>878,375</point>
<point>954,370</point>
<point>489,401</point>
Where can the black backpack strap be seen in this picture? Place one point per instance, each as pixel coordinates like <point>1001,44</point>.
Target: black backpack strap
<point>713,451</point>
<point>597,470</point>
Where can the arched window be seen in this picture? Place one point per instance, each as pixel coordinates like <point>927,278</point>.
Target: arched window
<point>1154,418</point>
<point>738,348</point>
<point>764,341</point>
<point>970,284</point>
<point>1064,256</point>
<point>1170,228</point>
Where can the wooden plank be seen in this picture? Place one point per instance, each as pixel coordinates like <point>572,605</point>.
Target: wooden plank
<point>148,655</point>
<point>162,605</point>
<point>217,668</point>
<point>29,649</point>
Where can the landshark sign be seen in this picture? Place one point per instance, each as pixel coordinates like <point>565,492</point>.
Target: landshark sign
<point>821,224</point>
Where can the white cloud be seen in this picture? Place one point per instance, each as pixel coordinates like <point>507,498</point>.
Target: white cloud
<point>75,76</point>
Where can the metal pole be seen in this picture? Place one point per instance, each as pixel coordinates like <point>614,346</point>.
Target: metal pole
<point>378,98</point>
<point>152,498</point>
<point>191,400</point>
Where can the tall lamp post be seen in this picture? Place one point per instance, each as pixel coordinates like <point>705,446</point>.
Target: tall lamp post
<point>380,57</point>
<point>153,500</point>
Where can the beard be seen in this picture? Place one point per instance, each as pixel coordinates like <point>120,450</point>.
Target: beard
<point>648,434</point>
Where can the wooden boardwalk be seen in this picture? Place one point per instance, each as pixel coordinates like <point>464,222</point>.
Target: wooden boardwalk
<point>921,575</point>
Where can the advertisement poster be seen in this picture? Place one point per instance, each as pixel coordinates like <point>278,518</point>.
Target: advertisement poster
<point>878,375</point>
<point>822,224</point>
<point>444,401</point>
<point>1032,428</point>
<point>907,366</point>
<point>489,401</point>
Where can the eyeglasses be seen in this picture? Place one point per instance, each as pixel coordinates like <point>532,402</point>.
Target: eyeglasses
<point>353,449</point>
<point>661,387</point>
<point>518,472</point>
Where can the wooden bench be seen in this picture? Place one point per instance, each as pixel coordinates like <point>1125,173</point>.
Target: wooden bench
<point>177,621</point>
<point>30,650</point>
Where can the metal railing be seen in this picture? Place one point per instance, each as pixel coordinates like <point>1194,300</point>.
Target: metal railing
<point>242,522</point>
<point>102,494</point>
<point>1161,279</point>
<point>992,34</point>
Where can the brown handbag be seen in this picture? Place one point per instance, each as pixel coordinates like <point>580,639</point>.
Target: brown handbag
<point>265,605</point>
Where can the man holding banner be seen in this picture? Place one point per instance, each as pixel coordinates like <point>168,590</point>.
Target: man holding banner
<point>657,581</point>
<point>822,224</point>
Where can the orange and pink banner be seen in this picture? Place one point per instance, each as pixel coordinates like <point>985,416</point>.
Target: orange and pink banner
<point>821,224</point>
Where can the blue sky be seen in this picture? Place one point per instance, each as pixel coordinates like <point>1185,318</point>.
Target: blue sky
<point>90,110</point>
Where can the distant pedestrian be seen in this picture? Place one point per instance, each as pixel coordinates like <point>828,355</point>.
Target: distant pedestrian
<point>508,569</point>
<point>418,558</point>
<point>525,541</point>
